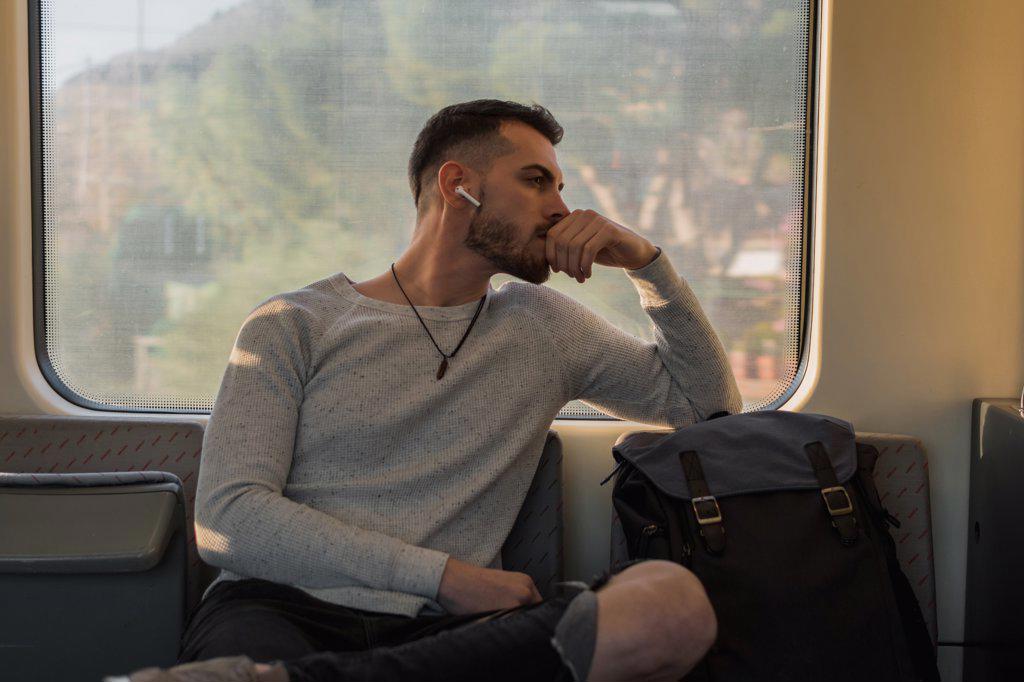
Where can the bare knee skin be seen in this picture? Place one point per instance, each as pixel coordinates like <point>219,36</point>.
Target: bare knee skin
<point>654,622</point>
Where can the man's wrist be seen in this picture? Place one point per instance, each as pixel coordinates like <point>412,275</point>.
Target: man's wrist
<point>648,258</point>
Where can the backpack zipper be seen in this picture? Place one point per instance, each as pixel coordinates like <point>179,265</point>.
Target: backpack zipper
<point>646,533</point>
<point>617,467</point>
<point>657,530</point>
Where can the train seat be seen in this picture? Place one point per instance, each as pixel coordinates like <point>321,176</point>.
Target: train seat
<point>45,444</point>
<point>901,478</point>
<point>534,546</point>
<point>87,444</point>
<point>84,452</point>
<point>74,545</point>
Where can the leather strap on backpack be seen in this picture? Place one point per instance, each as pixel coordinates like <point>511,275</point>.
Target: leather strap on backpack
<point>705,506</point>
<point>867,455</point>
<point>837,499</point>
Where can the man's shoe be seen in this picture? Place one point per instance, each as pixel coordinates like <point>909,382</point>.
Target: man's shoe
<point>231,669</point>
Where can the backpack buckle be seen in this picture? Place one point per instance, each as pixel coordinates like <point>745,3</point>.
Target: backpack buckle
<point>708,518</point>
<point>837,511</point>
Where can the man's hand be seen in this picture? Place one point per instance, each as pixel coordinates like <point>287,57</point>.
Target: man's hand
<point>466,588</point>
<point>585,237</point>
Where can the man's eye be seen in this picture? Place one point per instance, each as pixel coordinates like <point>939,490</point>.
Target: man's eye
<point>539,177</point>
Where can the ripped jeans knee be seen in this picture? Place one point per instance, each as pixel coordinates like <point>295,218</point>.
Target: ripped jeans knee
<point>575,637</point>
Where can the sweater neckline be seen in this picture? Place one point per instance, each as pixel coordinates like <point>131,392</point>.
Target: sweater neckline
<point>343,285</point>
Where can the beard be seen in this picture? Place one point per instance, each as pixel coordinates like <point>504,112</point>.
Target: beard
<point>494,239</point>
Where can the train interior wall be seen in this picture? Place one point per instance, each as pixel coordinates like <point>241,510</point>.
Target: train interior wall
<point>919,258</point>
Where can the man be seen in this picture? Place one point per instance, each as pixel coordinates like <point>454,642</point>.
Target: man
<point>371,442</point>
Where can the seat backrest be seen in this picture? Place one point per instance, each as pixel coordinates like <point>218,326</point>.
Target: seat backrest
<point>534,546</point>
<point>901,478</point>
<point>64,445</point>
<point>53,444</point>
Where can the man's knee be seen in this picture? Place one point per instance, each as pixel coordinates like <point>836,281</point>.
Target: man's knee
<point>680,625</point>
<point>684,626</point>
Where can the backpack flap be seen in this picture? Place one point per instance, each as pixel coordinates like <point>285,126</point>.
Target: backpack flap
<point>743,453</point>
<point>727,456</point>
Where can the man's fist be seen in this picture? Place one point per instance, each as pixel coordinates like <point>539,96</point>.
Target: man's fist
<point>466,588</point>
<point>585,237</point>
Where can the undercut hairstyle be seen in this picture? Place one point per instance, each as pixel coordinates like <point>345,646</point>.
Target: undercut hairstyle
<point>470,134</point>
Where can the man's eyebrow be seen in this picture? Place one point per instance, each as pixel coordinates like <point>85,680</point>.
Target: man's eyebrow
<point>543,169</point>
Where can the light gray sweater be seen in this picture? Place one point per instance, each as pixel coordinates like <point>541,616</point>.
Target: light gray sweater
<point>336,462</point>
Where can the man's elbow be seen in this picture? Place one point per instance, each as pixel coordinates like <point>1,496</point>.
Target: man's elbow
<point>214,527</point>
<point>223,521</point>
<point>211,542</point>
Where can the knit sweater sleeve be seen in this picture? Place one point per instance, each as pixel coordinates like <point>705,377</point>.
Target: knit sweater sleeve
<point>682,377</point>
<point>243,521</point>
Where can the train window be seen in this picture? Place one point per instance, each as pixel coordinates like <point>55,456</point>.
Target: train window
<point>194,157</point>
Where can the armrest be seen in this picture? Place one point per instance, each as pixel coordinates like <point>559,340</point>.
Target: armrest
<point>91,529</point>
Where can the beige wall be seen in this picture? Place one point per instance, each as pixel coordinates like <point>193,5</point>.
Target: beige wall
<point>921,267</point>
<point>924,264</point>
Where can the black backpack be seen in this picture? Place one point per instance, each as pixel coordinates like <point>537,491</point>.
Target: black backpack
<point>777,514</point>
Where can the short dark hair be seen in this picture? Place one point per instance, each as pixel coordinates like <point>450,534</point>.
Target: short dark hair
<point>470,132</point>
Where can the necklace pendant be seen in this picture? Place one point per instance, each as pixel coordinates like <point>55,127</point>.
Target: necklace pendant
<point>442,368</point>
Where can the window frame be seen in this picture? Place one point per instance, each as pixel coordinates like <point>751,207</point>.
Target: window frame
<point>37,131</point>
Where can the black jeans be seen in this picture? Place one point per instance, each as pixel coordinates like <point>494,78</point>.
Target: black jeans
<point>319,642</point>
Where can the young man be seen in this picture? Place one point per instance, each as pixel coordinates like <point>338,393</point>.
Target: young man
<point>372,442</point>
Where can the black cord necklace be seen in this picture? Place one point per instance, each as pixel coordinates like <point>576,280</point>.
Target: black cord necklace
<point>444,362</point>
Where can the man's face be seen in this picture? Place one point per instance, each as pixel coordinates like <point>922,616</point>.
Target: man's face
<point>520,205</point>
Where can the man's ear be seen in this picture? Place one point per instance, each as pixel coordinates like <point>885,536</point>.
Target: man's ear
<point>453,174</point>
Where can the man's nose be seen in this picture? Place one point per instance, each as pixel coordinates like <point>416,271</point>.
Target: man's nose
<point>560,211</point>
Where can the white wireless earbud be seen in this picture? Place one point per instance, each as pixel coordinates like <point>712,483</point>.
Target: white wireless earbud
<point>463,192</point>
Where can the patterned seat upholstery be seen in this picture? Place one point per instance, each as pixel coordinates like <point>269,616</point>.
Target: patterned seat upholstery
<point>46,444</point>
<point>901,478</point>
<point>534,546</point>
